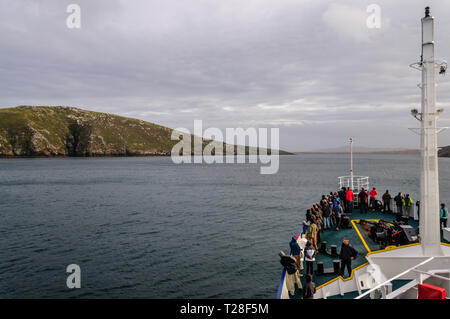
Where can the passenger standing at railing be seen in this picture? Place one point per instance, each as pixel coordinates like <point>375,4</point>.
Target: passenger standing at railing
<point>319,215</point>
<point>318,221</point>
<point>350,197</point>
<point>418,209</point>
<point>373,198</point>
<point>443,214</point>
<point>407,203</point>
<point>337,212</point>
<point>302,243</point>
<point>341,194</point>
<point>310,257</point>
<point>295,250</point>
<point>292,273</point>
<point>331,197</point>
<point>399,203</point>
<point>311,234</point>
<point>326,208</point>
<point>304,227</point>
<point>387,202</point>
<point>308,215</point>
<point>363,196</point>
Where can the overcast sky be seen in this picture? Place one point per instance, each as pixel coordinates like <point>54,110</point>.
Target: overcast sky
<point>310,67</point>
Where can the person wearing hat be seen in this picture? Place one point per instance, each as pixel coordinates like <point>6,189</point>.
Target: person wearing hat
<point>292,273</point>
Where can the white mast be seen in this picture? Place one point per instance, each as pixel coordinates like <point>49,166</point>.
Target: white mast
<point>429,179</point>
<point>351,163</point>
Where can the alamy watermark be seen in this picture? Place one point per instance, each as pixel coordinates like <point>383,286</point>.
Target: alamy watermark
<point>373,21</point>
<point>208,146</point>
<point>73,21</point>
<point>74,279</point>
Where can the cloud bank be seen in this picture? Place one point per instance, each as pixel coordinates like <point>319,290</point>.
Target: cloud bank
<point>311,68</point>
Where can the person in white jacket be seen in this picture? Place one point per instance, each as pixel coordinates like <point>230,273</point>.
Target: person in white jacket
<point>302,243</point>
<point>310,254</point>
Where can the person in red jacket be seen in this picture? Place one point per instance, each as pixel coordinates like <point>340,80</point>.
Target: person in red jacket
<point>350,197</point>
<point>373,198</point>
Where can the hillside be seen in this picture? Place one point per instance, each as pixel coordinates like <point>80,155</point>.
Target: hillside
<point>69,131</point>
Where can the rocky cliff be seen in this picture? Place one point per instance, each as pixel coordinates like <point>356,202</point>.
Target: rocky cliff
<point>69,131</point>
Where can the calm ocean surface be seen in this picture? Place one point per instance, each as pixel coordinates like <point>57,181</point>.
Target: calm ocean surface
<point>147,228</point>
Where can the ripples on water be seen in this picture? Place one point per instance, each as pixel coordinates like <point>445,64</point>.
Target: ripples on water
<point>146,228</point>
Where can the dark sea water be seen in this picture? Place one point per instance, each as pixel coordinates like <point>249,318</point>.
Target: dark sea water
<point>147,228</point>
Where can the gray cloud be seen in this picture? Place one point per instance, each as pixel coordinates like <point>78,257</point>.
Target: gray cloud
<point>312,68</point>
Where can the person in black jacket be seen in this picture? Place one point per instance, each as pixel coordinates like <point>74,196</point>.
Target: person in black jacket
<point>292,274</point>
<point>387,202</point>
<point>363,206</point>
<point>341,195</point>
<point>399,203</point>
<point>347,254</point>
<point>308,215</point>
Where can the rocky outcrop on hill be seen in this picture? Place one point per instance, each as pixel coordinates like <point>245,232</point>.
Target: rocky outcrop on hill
<point>69,131</point>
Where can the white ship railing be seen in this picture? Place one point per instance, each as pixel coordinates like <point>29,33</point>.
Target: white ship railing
<point>354,182</point>
<point>420,275</point>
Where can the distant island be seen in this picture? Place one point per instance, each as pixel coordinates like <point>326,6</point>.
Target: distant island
<point>53,131</point>
<point>362,150</point>
<point>399,152</point>
<point>443,151</point>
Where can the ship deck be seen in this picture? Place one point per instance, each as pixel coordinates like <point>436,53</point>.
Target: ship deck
<point>358,239</point>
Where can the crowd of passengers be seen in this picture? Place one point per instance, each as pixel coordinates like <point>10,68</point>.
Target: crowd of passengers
<point>327,214</point>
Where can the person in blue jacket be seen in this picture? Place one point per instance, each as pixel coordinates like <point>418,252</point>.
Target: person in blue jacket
<point>295,250</point>
<point>304,227</point>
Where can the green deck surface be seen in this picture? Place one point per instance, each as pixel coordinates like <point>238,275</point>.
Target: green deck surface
<point>333,237</point>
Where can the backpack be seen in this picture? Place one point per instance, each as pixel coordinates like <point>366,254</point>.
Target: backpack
<point>337,211</point>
